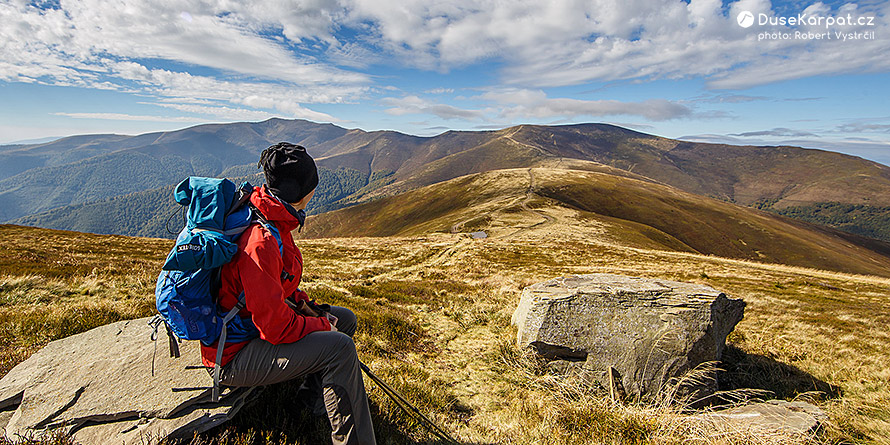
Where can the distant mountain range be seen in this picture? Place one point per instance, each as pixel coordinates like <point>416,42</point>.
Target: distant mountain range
<point>120,184</point>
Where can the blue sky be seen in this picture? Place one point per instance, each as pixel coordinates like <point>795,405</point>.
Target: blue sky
<point>681,69</point>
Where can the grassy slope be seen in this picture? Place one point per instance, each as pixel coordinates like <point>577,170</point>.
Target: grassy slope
<point>627,211</point>
<point>54,284</point>
<point>434,321</point>
<point>742,174</point>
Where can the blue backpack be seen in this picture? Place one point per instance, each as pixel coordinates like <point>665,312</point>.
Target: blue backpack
<point>217,212</point>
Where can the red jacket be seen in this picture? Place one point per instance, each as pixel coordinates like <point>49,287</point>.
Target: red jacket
<point>256,270</point>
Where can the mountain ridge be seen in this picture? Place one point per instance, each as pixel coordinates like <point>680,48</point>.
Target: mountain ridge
<point>549,202</point>
<point>764,177</point>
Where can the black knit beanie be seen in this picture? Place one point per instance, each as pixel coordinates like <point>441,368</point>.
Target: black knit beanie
<point>290,171</point>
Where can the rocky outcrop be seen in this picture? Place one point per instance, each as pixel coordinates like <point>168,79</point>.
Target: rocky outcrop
<point>629,333</point>
<point>100,386</point>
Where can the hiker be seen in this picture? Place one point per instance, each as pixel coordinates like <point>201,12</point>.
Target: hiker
<point>297,337</point>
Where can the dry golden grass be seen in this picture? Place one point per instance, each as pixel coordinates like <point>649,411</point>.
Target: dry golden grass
<point>435,322</point>
<point>807,333</point>
<point>54,284</point>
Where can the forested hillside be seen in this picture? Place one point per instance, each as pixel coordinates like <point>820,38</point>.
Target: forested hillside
<point>153,213</point>
<point>861,219</point>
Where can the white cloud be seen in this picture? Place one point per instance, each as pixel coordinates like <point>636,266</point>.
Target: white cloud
<point>522,103</point>
<point>567,42</point>
<point>727,98</point>
<point>227,113</point>
<point>268,95</point>
<point>130,117</point>
<point>512,105</point>
<point>634,126</point>
<point>100,45</point>
<point>280,55</point>
<point>863,127</point>
<point>241,114</point>
<point>776,132</point>
<point>87,31</point>
<point>416,105</point>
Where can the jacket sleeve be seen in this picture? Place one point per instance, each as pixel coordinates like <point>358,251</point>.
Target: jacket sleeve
<point>300,295</point>
<point>260,272</point>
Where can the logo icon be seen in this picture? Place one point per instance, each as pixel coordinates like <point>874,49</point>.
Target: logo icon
<point>745,19</point>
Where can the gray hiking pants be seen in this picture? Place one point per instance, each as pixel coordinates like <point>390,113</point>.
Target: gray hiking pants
<point>327,359</point>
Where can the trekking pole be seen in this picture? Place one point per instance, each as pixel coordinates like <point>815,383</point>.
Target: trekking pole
<point>409,409</point>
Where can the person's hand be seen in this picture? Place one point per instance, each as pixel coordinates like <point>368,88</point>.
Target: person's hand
<point>303,309</point>
<point>331,318</point>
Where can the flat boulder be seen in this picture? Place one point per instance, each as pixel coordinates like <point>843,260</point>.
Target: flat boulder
<point>793,419</point>
<point>630,334</point>
<point>113,384</point>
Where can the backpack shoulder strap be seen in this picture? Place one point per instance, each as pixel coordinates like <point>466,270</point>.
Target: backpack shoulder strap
<point>221,344</point>
<point>275,233</point>
<point>261,220</point>
<point>242,197</point>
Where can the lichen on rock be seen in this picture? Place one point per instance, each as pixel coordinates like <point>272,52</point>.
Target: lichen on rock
<point>643,333</point>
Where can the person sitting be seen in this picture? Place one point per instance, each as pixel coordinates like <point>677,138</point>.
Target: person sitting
<point>296,339</point>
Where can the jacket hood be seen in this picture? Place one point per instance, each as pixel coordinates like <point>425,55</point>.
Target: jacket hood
<point>273,209</point>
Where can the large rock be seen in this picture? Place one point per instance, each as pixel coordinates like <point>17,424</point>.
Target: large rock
<point>99,386</point>
<point>640,332</point>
